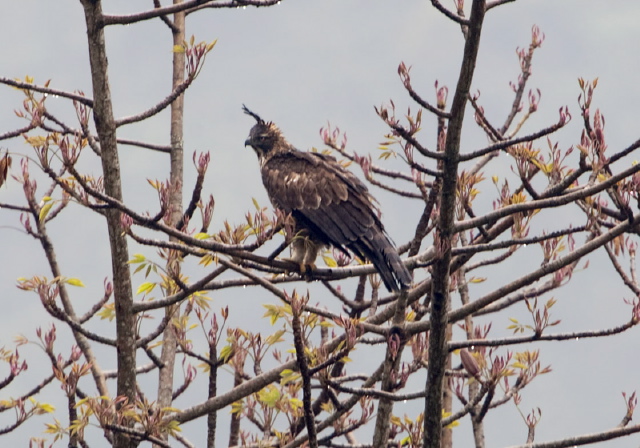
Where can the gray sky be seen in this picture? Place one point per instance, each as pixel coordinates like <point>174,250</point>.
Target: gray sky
<point>303,64</point>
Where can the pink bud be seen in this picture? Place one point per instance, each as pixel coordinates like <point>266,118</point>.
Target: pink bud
<point>126,221</point>
<point>537,36</point>
<point>76,353</point>
<point>469,363</point>
<point>565,116</point>
<point>203,162</point>
<point>108,287</point>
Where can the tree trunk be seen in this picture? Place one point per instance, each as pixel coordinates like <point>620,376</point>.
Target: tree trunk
<point>106,129</point>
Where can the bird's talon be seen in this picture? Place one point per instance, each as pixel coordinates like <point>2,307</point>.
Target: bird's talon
<point>307,268</point>
<point>306,271</point>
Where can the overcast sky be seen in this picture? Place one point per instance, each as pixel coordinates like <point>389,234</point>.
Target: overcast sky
<point>306,63</point>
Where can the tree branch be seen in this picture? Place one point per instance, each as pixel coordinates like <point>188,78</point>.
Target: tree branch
<point>46,90</point>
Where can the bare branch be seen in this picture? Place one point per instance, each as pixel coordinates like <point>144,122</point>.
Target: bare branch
<point>572,196</point>
<point>159,148</point>
<point>574,336</point>
<point>174,29</point>
<point>188,6</point>
<point>585,439</point>
<point>553,266</point>
<point>46,90</point>
<point>303,366</point>
<point>177,91</point>
<point>495,3</point>
<point>17,132</point>
<point>449,14</point>
<point>507,143</point>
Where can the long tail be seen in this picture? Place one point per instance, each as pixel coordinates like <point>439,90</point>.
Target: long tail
<point>376,247</point>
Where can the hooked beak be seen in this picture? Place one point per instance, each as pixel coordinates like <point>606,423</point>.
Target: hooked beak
<point>247,142</point>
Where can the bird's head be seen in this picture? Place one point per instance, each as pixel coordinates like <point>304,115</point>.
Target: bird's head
<point>265,137</point>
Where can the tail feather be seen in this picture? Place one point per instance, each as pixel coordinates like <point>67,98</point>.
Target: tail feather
<point>377,248</point>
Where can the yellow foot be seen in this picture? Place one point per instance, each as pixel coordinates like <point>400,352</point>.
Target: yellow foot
<point>305,270</point>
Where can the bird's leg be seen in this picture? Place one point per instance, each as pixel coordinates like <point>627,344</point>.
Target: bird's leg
<point>298,252</point>
<point>310,255</point>
<point>304,252</point>
<point>298,249</point>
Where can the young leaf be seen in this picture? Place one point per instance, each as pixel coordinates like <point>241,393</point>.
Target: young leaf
<point>44,211</point>
<point>74,282</point>
<point>145,287</point>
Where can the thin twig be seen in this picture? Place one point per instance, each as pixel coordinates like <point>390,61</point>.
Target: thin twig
<point>17,132</point>
<point>495,3</point>
<point>180,88</point>
<point>449,14</point>
<point>165,19</point>
<point>507,143</point>
<point>27,86</point>
<point>545,337</point>
<point>188,7</point>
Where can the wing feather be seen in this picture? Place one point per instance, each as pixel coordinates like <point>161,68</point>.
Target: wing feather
<point>335,206</point>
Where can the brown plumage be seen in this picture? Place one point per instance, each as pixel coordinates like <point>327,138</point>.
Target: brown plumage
<point>330,205</point>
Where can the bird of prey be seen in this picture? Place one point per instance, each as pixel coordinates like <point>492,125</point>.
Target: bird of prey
<point>329,204</point>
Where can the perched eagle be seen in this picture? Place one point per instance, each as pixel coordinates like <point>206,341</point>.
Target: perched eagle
<point>329,204</point>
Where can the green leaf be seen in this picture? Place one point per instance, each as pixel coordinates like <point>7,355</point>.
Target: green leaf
<point>211,45</point>
<point>329,261</point>
<point>74,282</point>
<point>46,407</point>
<point>107,312</point>
<point>236,407</point>
<point>137,258</point>
<point>295,403</point>
<point>226,352</point>
<point>288,375</point>
<point>44,211</point>
<point>269,396</point>
<point>145,287</point>
<point>173,427</point>
<point>275,337</point>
